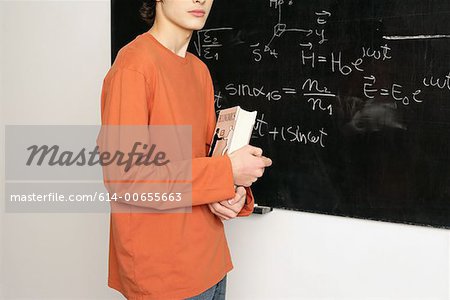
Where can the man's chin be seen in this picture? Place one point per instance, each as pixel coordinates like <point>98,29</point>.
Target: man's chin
<point>195,26</point>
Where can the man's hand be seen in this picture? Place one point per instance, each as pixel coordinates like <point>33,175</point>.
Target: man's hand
<point>229,209</point>
<point>248,165</point>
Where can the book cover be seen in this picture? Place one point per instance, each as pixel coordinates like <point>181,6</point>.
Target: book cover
<point>233,130</point>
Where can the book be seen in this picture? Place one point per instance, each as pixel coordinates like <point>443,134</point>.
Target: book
<point>233,130</point>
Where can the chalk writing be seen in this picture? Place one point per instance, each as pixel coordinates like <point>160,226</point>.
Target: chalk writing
<point>394,91</point>
<point>208,44</point>
<point>441,83</point>
<point>314,50</point>
<point>315,95</point>
<point>290,133</point>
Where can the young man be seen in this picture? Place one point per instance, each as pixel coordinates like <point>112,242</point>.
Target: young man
<point>154,80</point>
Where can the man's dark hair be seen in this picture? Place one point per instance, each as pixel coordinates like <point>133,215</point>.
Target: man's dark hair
<point>148,11</point>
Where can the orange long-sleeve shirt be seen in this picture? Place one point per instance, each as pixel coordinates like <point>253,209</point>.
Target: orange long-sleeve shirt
<point>163,255</point>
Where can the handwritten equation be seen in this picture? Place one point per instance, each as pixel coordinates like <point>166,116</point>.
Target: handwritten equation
<point>312,53</point>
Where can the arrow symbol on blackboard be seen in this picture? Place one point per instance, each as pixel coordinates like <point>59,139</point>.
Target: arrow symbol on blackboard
<point>323,13</point>
<point>370,78</point>
<point>309,45</point>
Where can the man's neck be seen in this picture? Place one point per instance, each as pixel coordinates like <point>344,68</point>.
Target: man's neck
<point>173,38</point>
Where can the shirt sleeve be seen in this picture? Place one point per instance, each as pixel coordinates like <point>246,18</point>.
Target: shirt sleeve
<point>126,100</point>
<point>249,202</point>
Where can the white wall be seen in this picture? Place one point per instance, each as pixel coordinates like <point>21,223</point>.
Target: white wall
<point>308,256</point>
<point>2,176</point>
<point>54,55</point>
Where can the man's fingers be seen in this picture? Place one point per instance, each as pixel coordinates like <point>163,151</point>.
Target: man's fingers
<point>223,211</point>
<point>236,207</point>
<point>233,207</point>
<point>255,150</point>
<point>213,210</point>
<point>240,193</point>
<point>267,161</point>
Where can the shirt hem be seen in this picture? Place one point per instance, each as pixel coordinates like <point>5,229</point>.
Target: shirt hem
<point>168,296</point>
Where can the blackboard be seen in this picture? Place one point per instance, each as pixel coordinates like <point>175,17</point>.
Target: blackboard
<point>353,100</point>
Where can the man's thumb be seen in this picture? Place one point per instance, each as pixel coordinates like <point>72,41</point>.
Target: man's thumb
<point>240,192</point>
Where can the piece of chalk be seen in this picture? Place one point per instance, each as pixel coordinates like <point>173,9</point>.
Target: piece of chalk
<point>260,210</point>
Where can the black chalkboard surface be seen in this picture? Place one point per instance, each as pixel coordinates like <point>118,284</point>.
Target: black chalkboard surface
<point>353,100</point>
